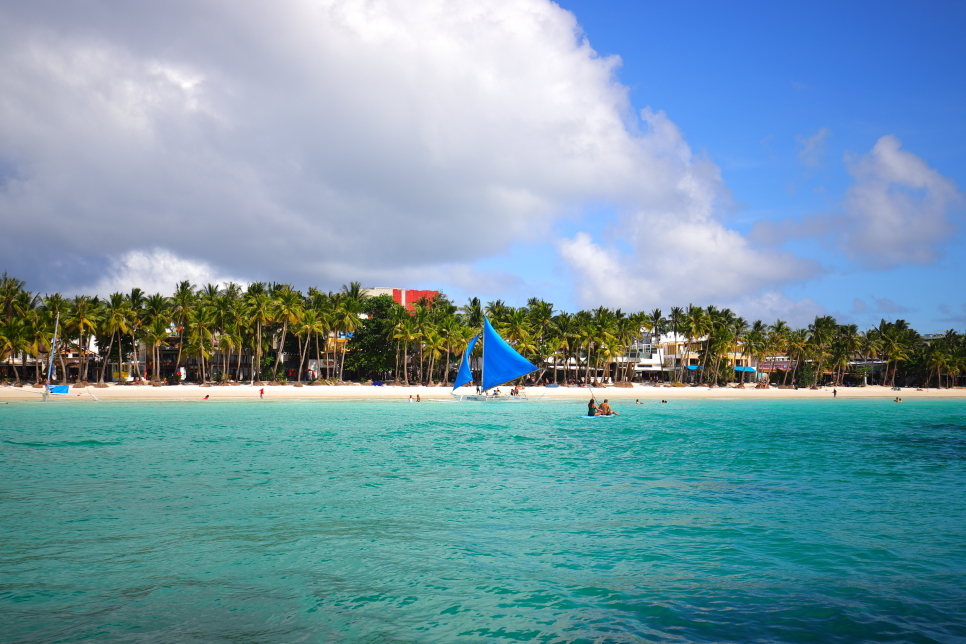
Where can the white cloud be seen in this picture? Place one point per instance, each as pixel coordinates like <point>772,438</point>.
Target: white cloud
<point>813,147</point>
<point>898,209</point>
<point>772,305</point>
<point>156,271</point>
<point>347,139</point>
<point>680,251</point>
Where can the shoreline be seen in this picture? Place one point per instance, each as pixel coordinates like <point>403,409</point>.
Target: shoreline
<point>361,392</point>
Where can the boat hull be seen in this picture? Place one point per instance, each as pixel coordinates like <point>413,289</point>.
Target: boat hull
<point>484,398</point>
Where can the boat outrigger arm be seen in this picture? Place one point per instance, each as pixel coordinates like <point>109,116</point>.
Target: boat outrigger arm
<point>501,362</point>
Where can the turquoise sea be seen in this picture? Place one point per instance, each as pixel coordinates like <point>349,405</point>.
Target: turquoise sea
<point>694,521</point>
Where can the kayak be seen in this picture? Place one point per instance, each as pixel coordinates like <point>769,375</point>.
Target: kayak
<point>598,416</point>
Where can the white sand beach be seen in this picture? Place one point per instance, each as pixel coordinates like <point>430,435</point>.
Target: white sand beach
<point>646,393</point>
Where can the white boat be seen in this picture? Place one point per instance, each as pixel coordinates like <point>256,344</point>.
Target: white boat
<point>501,364</point>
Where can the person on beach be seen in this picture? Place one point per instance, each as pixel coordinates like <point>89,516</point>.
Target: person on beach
<point>261,392</point>
<point>206,397</point>
<point>835,393</point>
<point>606,410</point>
<point>592,407</point>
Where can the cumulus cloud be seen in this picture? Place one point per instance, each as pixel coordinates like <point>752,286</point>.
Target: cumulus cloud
<point>155,271</point>
<point>897,211</point>
<point>773,305</point>
<point>813,147</point>
<point>346,139</point>
<point>679,249</point>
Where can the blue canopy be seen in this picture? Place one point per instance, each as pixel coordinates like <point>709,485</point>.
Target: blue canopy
<point>501,362</point>
<point>60,389</point>
<point>464,376</point>
<point>692,367</point>
<point>745,369</point>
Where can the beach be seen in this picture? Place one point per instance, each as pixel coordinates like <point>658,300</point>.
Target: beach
<point>646,393</point>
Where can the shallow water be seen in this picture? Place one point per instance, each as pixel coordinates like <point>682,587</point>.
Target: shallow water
<point>703,521</point>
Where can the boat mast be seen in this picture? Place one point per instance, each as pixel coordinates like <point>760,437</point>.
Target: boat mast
<point>53,349</point>
<point>483,358</point>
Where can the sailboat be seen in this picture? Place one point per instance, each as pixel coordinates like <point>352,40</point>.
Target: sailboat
<point>58,390</point>
<point>501,364</point>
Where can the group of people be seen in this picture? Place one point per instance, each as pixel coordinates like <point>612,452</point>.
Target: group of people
<point>603,410</point>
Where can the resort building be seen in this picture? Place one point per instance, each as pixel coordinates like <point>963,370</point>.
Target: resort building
<point>403,297</point>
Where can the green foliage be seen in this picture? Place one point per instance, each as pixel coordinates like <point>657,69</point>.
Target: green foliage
<point>805,378</point>
<point>371,350</point>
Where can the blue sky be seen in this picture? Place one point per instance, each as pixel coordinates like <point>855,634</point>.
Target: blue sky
<point>785,161</point>
<point>747,82</point>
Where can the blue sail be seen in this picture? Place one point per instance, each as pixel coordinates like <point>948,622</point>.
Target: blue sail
<point>464,376</point>
<point>501,362</point>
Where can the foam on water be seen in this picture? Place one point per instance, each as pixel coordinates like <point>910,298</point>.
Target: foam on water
<point>694,521</point>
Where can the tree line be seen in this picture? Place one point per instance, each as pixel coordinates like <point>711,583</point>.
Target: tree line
<point>267,330</point>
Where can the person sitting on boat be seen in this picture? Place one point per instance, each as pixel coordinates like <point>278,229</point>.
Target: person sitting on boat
<point>592,407</point>
<point>606,410</point>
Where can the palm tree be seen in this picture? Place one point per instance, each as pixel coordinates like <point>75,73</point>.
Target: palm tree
<point>258,305</point>
<point>404,333</point>
<point>135,301</point>
<point>674,319</point>
<point>310,325</point>
<point>434,344</point>
<point>472,313</point>
<point>822,331</point>
<point>117,311</point>
<point>346,318</point>
<point>287,306</point>
<point>156,331</point>
<point>13,340</point>
<point>753,344</point>
<point>797,344</point>
<point>693,326</point>
<point>202,322</point>
<point>84,316</point>
<point>182,302</point>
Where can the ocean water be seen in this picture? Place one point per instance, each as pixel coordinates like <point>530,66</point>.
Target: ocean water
<point>694,521</point>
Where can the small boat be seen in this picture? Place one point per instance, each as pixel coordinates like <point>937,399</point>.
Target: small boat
<point>501,364</point>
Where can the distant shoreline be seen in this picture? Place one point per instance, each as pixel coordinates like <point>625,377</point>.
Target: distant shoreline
<point>362,392</point>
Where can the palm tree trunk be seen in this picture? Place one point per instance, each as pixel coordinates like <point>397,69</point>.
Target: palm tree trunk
<point>177,362</point>
<point>281,349</point>
<point>302,352</point>
<point>119,371</point>
<point>110,345</point>
<point>405,367</point>
<point>318,358</point>
<point>135,363</point>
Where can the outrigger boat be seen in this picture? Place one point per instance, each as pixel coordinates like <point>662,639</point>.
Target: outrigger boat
<point>501,364</point>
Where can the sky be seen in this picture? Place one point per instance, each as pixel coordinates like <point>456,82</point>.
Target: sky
<point>784,161</point>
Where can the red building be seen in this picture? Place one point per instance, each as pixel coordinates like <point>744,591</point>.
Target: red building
<point>405,297</point>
